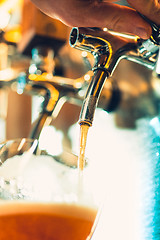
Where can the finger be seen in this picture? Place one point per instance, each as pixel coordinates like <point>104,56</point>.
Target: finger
<point>86,13</point>
<point>114,17</point>
<point>149,8</point>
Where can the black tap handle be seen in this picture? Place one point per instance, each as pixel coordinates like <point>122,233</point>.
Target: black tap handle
<point>155,37</point>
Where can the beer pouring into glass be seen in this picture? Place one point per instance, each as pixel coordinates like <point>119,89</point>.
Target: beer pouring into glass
<point>41,198</point>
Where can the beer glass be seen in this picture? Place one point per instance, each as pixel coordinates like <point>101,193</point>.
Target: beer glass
<point>44,196</point>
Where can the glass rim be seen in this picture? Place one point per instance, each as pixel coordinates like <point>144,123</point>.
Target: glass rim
<point>67,157</point>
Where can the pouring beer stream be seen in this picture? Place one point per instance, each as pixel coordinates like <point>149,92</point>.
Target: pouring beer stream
<point>108,48</point>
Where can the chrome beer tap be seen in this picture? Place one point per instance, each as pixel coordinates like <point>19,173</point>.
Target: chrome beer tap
<point>108,48</point>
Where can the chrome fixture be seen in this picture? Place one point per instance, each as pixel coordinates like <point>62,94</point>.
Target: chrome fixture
<point>108,48</point>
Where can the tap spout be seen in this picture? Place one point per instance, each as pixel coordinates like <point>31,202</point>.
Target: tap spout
<point>102,51</point>
<point>92,96</point>
<point>106,57</point>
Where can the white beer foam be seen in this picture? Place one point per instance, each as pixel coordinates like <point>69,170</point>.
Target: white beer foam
<point>42,178</point>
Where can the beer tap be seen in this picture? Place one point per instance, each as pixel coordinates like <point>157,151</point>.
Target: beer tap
<point>108,48</point>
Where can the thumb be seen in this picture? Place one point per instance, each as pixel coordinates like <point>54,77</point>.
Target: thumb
<point>112,16</point>
<point>93,13</point>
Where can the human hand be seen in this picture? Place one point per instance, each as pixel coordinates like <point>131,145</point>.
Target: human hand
<point>97,13</point>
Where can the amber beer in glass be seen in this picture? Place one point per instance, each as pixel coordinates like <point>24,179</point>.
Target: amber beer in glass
<point>42,198</point>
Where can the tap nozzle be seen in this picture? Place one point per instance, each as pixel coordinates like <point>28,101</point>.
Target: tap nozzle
<point>102,51</point>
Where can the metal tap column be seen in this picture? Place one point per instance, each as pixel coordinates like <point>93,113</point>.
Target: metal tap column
<point>92,96</point>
